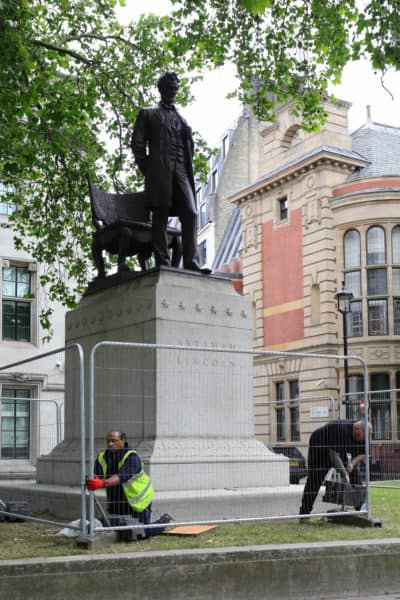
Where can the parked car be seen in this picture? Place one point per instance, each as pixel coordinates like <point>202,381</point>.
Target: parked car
<point>297,462</point>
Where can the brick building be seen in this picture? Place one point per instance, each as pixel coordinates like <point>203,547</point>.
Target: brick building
<point>324,209</point>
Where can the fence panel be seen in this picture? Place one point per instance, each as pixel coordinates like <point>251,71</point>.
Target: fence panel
<point>384,414</point>
<point>31,406</point>
<point>189,413</point>
<point>32,416</point>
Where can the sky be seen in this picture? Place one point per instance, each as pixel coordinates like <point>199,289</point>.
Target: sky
<point>212,113</point>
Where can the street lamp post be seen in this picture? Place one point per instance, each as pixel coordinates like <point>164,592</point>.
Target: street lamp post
<point>343,299</point>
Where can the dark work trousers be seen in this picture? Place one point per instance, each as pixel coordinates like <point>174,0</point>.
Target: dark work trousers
<point>185,207</point>
<point>145,518</point>
<point>319,464</point>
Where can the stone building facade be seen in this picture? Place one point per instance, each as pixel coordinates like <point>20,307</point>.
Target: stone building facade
<point>324,210</point>
<point>31,394</point>
<point>236,163</point>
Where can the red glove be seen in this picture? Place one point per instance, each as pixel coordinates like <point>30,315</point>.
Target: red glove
<point>95,483</point>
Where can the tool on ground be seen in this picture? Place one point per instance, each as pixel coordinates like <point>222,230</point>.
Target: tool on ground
<point>339,490</point>
<point>111,520</point>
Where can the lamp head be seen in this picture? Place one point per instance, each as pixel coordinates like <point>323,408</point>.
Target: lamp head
<point>343,299</point>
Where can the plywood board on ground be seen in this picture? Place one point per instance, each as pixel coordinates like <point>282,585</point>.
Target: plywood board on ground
<point>190,529</point>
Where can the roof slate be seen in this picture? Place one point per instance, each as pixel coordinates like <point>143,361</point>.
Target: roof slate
<point>380,145</point>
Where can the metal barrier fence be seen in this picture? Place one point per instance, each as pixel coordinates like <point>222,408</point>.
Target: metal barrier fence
<point>384,414</point>
<point>32,416</point>
<point>305,414</point>
<point>29,426</point>
<point>188,413</point>
<point>31,406</point>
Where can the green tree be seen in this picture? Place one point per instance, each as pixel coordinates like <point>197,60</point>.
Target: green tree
<point>289,50</point>
<point>72,80</point>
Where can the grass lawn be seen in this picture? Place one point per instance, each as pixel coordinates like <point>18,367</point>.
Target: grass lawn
<point>27,539</point>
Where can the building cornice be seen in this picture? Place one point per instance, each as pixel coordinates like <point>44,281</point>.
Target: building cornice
<point>338,158</point>
<point>378,184</point>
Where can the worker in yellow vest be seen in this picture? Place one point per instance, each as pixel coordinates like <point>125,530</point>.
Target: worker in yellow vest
<point>119,470</point>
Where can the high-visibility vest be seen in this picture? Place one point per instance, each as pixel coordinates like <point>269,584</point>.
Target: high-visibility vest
<point>137,489</point>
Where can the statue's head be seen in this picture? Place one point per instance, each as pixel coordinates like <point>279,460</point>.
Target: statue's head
<point>168,85</point>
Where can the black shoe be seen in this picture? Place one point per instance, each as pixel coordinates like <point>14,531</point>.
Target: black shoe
<point>304,520</point>
<point>123,268</point>
<point>196,267</point>
<point>165,518</point>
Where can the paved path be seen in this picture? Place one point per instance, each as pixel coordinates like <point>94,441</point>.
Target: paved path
<point>395,596</point>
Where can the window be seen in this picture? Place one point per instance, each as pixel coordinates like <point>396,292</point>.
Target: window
<point>294,389</point>
<point>203,207</point>
<point>352,281</point>
<point>16,304</point>
<point>15,419</point>
<point>396,245</point>
<point>396,281</point>
<point>376,253</point>
<point>356,389</point>
<point>294,411</point>
<point>294,423</point>
<point>380,406</point>
<point>376,282</point>
<point>280,425</point>
<point>6,208</point>
<point>377,317</point>
<point>203,213</point>
<point>352,252</point>
<point>380,383</point>
<point>354,320</point>
<point>214,181</point>
<point>396,316</point>
<point>283,208</point>
<point>203,253</point>
<point>398,402</point>
<point>381,423</point>
<point>280,391</point>
<point>382,285</point>
<point>280,412</point>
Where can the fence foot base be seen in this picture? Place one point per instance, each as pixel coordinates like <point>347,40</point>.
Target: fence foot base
<point>352,519</point>
<point>103,538</point>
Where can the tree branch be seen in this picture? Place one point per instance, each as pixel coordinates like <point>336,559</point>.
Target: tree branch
<point>384,85</point>
<point>60,50</point>
<point>103,38</point>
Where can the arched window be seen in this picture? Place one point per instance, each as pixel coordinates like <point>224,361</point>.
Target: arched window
<point>352,253</point>
<point>376,252</point>
<point>396,245</point>
<point>396,280</point>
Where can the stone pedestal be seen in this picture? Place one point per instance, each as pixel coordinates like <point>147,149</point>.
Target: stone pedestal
<point>189,414</point>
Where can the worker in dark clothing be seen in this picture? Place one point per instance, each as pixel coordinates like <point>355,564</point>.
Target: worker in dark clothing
<point>328,447</point>
<point>129,492</point>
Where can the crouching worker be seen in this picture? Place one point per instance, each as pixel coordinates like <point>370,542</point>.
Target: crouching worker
<point>129,491</point>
